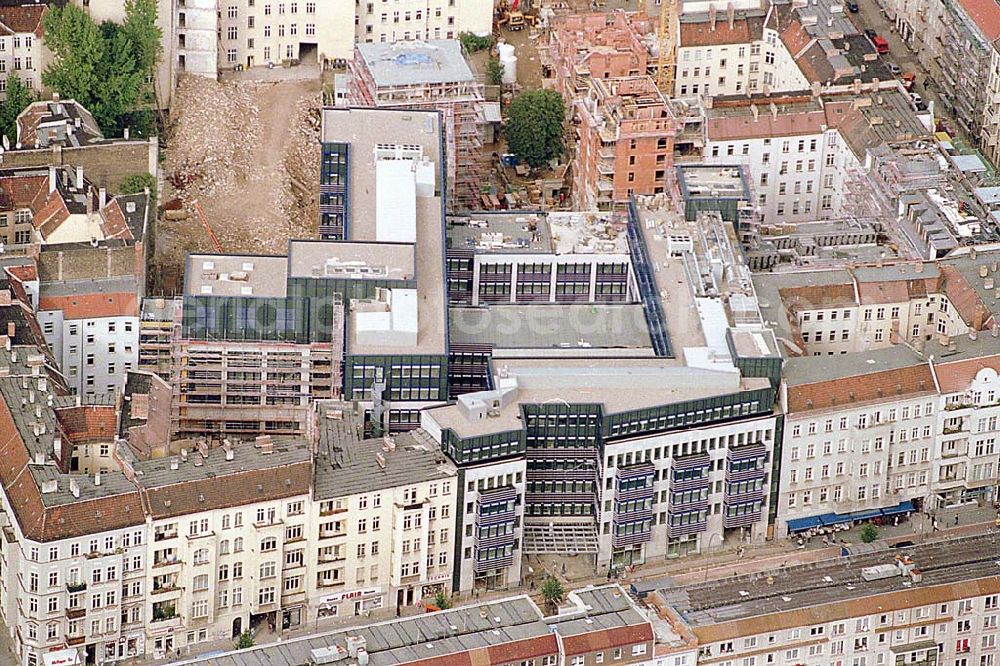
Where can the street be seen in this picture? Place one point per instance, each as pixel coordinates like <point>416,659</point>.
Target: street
<point>872,17</point>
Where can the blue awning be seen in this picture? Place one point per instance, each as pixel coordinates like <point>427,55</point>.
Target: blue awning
<point>835,518</point>
<point>902,507</point>
<point>867,514</point>
<point>803,524</point>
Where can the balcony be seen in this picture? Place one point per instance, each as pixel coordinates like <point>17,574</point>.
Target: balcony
<point>76,612</point>
<point>75,586</point>
<point>167,561</point>
<point>165,535</point>
<point>75,640</point>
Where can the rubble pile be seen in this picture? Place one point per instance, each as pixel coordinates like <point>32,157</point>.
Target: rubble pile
<point>248,154</point>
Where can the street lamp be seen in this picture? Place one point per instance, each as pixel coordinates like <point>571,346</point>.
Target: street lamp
<point>708,549</point>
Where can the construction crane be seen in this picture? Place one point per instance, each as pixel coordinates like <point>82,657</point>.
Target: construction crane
<point>208,228</point>
<point>666,36</point>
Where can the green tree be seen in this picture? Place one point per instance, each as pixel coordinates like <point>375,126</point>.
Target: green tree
<point>868,533</point>
<point>534,126</point>
<point>553,591</point>
<point>143,33</point>
<point>441,600</point>
<point>244,641</point>
<point>105,67</point>
<point>494,72</point>
<point>137,182</point>
<point>19,96</point>
<point>78,49</point>
<point>472,42</point>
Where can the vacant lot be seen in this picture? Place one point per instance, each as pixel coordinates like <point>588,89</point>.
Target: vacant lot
<point>248,153</point>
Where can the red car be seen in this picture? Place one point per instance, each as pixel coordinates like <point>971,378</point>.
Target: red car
<point>881,46</point>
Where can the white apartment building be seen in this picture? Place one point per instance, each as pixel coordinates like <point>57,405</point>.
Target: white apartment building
<point>381,528</point>
<point>788,149</point>
<point>227,548</point>
<point>903,416</point>
<point>22,52</point>
<point>92,327</point>
<point>405,20</point>
<point>859,444</point>
<point>966,464</point>
<point>741,56</point>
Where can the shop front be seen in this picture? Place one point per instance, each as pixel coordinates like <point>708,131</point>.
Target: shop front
<point>352,602</point>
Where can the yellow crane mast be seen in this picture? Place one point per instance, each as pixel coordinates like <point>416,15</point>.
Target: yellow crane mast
<point>666,61</point>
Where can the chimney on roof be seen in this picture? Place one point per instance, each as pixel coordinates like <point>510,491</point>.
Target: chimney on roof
<point>79,178</point>
<point>76,121</point>
<point>126,134</point>
<point>102,198</point>
<point>89,197</point>
<point>711,17</point>
<point>52,179</point>
<point>97,479</point>
<point>5,297</point>
<point>755,112</point>
<point>55,97</point>
<point>919,267</point>
<point>74,487</point>
<point>774,110</point>
<point>57,446</point>
<point>229,454</point>
<point>174,464</point>
<point>39,458</point>
<point>731,14</point>
<point>50,486</point>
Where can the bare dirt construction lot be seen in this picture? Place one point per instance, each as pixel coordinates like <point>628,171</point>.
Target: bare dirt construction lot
<point>248,153</point>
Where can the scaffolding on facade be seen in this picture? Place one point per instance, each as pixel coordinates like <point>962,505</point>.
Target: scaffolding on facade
<point>453,90</point>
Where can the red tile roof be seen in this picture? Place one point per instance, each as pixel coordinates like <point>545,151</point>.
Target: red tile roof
<point>23,18</point>
<point>51,215</point>
<point>87,306</point>
<point>115,225</point>
<point>228,490</point>
<point>986,15</point>
<point>964,299</point>
<point>956,376</point>
<point>88,423</point>
<point>57,522</point>
<point>529,648</point>
<point>607,638</point>
<point>702,33</point>
<point>863,387</point>
<point>23,192</point>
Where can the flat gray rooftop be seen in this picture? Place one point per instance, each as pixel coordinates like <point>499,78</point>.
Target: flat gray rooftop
<point>831,581</point>
<point>235,275</point>
<point>810,369</point>
<point>409,639</point>
<point>380,261</point>
<point>579,326</point>
<point>412,63</point>
<point>518,232</point>
<point>345,465</point>
<point>364,129</point>
<point>157,472</point>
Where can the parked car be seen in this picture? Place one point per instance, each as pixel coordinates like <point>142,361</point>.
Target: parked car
<point>852,6</point>
<point>908,80</point>
<point>870,34</point>
<point>894,68</point>
<point>918,101</point>
<point>881,45</point>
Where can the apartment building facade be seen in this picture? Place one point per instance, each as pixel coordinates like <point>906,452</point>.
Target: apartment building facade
<point>22,52</point>
<point>874,432</point>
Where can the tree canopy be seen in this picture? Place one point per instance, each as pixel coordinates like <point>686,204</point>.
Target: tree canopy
<point>19,96</point>
<point>105,67</point>
<point>534,126</point>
